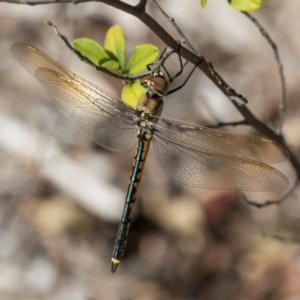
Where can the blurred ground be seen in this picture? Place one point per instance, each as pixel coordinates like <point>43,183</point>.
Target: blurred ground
<point>61,196</point>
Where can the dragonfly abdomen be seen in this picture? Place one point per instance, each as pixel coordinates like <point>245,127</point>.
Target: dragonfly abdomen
<point>142,147</point>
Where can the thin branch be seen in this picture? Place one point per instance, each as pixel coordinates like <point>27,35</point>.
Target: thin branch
<point>282,108</point>
<point>230,92</point>
<point>184,40</point>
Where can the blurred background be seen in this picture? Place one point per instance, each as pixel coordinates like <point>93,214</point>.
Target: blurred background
<point>61,196</point>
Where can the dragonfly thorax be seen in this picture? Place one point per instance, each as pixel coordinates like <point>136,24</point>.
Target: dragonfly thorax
<point>150,105</point>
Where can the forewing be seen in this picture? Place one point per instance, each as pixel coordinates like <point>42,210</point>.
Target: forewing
<point>31,59</point>
<point>107,125</point>
<point>102,116</point>
<point>212,141</point>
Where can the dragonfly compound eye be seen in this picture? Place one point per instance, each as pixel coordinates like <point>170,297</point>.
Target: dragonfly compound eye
<point>156,81</point>
<point>160,84</point>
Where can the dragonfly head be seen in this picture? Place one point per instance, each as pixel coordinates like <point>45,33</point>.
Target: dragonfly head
<point>157,82</point>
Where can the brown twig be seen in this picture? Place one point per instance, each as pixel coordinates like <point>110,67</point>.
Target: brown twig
<point>274,47</point>
<point>184,40</point>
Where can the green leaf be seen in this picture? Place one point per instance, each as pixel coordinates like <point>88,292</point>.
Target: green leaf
<point>111,55</point>
<point>115,44</point>
<point>111,65</point>
<point>142,56</point>
<point>202,3</point>
<point>90,49</point>
<point>131,93</point>
<point>245,5</point>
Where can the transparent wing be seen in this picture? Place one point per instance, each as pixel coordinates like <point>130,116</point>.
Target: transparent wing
<point>102,116</point>
<point>31,59</point>
<point>200,157</point>
<point>214,141</point>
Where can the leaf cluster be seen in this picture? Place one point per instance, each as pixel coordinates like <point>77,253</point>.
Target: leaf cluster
<point>112,57</point>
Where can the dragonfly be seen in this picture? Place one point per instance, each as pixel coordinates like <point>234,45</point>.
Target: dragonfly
<point>191,154</point>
